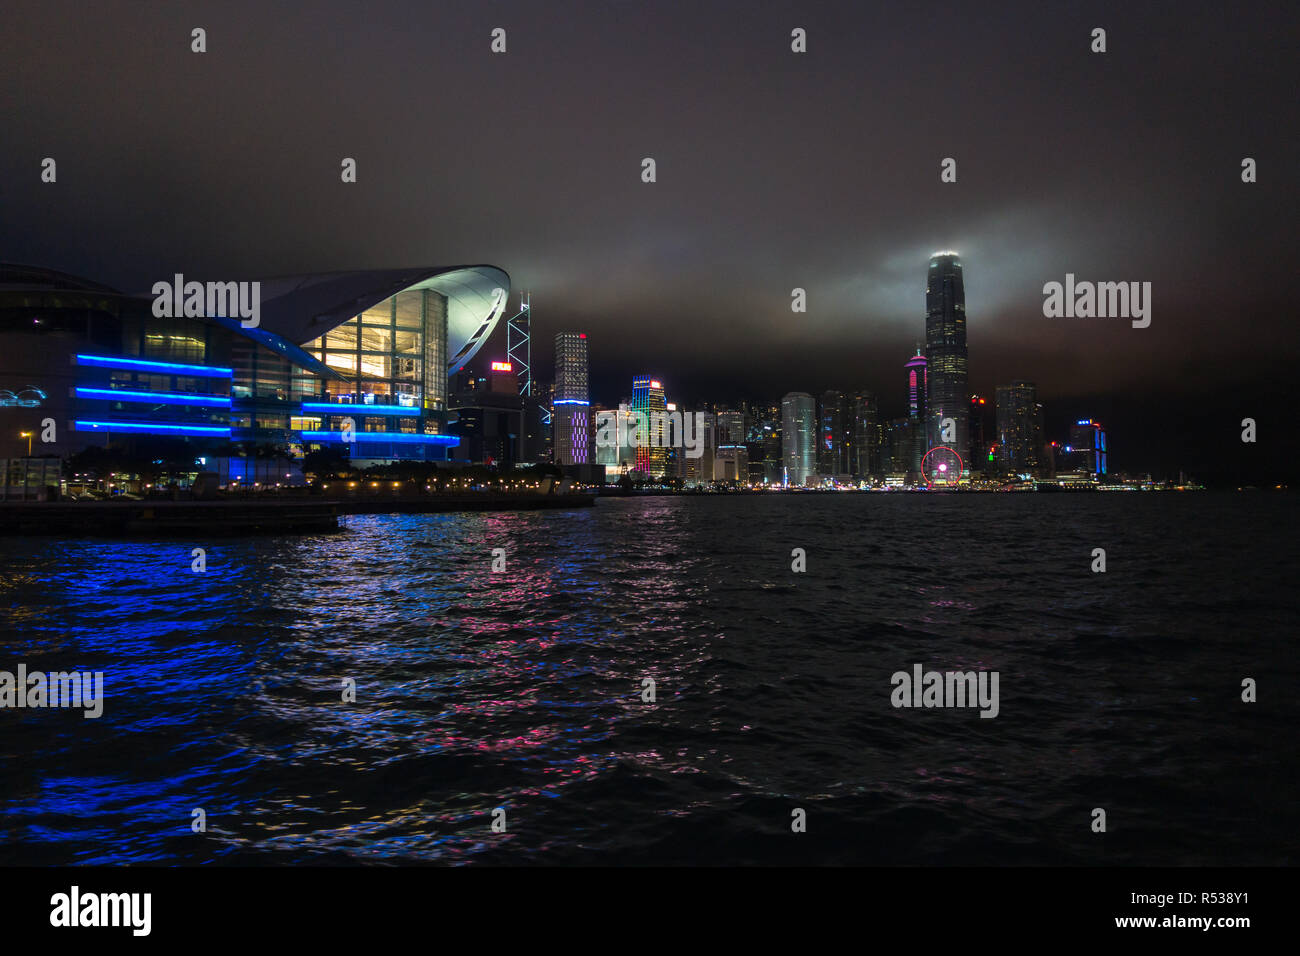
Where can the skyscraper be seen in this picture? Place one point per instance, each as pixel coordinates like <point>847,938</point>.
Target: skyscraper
<point>917,369</point>
<point>698,471</point>
<point>765,443</point>
<point>917,384</point>
<point>539,440</point>
<point>519,347</point>
<point>865,453</point>
<point>648,400</point>
<point>981,434</point>
<point>945,348</point>
<point>1087,451</point>
<point>900,450</point>
<point>731,459</point>
<point>1019,428</point>
<point>606,453</point>
<point>571,418</point>
<point>832,452</point>
<point>1044,452</point>
<point>798,437</point>
<point>731,427</point>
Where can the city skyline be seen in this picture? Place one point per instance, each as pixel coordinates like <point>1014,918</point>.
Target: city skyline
<point>1020,441</point>
<point>368,354</point>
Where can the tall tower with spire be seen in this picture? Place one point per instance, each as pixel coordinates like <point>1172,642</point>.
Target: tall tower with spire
<point>519,344</point>
<point>947,393</point>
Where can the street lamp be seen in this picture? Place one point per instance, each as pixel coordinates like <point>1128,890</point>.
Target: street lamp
<point>28,436</point>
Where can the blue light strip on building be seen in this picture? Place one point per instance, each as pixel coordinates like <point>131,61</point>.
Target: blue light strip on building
<point>141,365</point>
<point>330,408</point>
<point>153,428</point>
<point>449,441</point>
<point>158,398</point>
<point>571,401</point>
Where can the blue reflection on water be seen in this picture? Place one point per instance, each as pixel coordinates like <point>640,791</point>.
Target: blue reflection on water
<point>522,689</point>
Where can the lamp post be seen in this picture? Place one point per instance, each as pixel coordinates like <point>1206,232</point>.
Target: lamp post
<point>28,436</point>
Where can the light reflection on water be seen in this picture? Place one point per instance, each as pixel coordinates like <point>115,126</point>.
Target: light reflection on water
<point>522,689</point>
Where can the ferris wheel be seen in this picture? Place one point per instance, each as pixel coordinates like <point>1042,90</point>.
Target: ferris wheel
<point>941,467</point>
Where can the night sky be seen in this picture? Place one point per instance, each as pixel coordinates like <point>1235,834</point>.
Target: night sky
<point>775,170</point>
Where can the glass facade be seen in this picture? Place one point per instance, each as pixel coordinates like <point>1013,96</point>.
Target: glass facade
<point>647,400</point>
<point>865,455</point>
<point>384,353</point>
<point>798,437</point>
<point>1087,451</point>
<point>831,436</point>
<point>393,360</point>
<point>179,377</point>
<point>571,403</point>
<point>947,395</point>
<point>1019,428</point>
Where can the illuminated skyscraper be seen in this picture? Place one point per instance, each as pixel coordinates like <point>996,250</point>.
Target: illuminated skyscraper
<point>1044,453</point>
<point>799,437</point>
<point>833,436</point>
<point>539,439</point>
<point>917,384</point>
<point>731,427</point>
<point>571,421</point>
<point>731,458</point>
<point>945,348</point>
<point>981,434</point>
<point>606,453</point>
<point>901,437</point>
<point>864,456</point>
<point>1087,450</point>
<point>519,344</point>
<point>1019,428</point>
<point>700,470</point>
<point>917,387</point>
<point>765,442</point>
<point>648,400</point>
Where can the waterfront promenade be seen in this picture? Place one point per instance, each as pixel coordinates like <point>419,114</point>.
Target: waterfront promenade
<point>241,516</point>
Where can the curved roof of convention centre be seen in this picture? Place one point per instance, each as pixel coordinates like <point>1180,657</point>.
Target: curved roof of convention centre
<point>301,308</point>
<point>297,309</point>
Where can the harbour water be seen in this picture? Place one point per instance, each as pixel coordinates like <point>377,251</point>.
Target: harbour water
<point>524,689</point>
